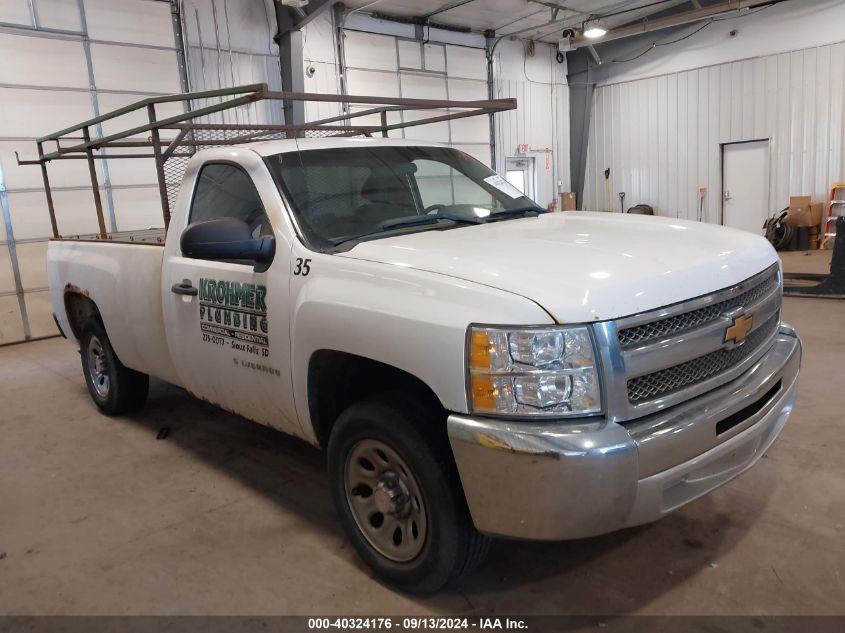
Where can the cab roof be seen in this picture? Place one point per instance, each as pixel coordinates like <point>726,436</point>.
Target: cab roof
<point>269,148</point>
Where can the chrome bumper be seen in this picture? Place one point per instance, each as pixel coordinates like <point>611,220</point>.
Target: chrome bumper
<point>573,479</point>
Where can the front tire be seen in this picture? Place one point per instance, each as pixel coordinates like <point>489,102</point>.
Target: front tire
<point>114,388</point>
<point>399,497</point>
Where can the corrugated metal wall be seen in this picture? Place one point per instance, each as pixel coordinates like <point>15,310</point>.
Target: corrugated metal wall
<point>230,43</point>
<point>538,83</point>
<point>661,136</point>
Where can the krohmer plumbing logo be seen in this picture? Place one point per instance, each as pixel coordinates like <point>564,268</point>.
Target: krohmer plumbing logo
<point>234,310</point>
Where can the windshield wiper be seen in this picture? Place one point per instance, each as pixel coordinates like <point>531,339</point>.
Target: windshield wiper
<point>514,213</point>
<point>414,221</point>
<point>431,219</point>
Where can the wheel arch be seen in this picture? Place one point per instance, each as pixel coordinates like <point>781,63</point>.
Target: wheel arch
<point>79,307</point>
<point>338,379</point>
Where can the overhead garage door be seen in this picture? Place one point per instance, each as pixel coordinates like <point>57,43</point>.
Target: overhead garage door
<point>390,66</point>
<point>72,60</point>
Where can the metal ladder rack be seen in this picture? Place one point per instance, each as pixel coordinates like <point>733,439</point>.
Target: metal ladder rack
<point>175,139</point>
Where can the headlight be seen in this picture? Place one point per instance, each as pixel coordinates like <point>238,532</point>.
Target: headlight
<point>538,371</point>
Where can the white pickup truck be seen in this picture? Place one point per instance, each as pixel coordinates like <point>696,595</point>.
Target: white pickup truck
<point>473,365</point>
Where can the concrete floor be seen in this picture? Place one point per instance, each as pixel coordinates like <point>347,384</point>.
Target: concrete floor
<point>227,517</point>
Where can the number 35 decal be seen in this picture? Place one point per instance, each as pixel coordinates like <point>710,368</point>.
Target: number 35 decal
<point>303,267</point>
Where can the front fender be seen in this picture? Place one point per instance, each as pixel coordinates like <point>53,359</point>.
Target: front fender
<point>413,320</point>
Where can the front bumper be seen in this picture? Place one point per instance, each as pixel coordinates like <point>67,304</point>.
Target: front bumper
<point>573,479</point>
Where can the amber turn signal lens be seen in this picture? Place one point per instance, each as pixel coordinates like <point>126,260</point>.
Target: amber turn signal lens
<point>479,355</point>
<point>483,393</point>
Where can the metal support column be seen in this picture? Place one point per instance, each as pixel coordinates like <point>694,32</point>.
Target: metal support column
<point>581,92</point>
<point>489,49</point>
<point>178,38</point>
<point>290,21</point>
<point>13,255</point>
<point>95,107</point>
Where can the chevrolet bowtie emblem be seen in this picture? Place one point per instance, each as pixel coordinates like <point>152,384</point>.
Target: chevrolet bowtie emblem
<point>739,329</point>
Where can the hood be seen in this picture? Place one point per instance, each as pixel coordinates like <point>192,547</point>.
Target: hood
<point>584,266</point>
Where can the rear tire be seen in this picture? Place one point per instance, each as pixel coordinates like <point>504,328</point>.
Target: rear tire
<point>397,491</point>
<point>114,388</point>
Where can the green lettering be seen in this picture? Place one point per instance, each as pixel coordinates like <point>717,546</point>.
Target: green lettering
<point>260,294</point>
<point>220,292</point>
<point>250,295</point>
<point>263,325</point>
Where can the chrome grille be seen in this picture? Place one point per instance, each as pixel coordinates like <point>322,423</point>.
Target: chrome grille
<point>673,325</point>
<point>666,381</point>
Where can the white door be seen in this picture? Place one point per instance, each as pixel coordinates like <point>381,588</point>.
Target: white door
<point>227,323</point>
<point>520,173</point>
<point>745,185</point>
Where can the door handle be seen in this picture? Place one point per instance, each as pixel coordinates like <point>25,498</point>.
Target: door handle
<point>185,288</point>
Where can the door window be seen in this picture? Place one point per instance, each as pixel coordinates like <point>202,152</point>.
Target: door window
<point>227,191</point>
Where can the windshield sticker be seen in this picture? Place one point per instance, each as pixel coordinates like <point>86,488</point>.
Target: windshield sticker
<point>504,186</point>
<point>234,314</point>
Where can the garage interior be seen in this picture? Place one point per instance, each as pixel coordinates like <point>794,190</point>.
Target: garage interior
<point>715,111</point>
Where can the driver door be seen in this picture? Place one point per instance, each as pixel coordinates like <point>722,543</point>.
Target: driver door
<point>227,321</point>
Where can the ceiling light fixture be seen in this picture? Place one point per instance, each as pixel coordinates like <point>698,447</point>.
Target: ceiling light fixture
<point>594,29</point>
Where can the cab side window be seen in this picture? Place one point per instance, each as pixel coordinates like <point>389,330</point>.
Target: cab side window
<point>227,191</point>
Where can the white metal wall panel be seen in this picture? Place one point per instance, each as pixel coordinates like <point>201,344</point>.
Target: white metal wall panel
<point>57,14</point>
<point>139,208</point>
<point>27,114</point>
<point>230,43</point>
<point>42,62</point>
<point>39,310</point>
<point>139,69</point>
<point>538,83</point>
<point>363,82</point>
<point>661,136</point>
<point>30,221</point>
<point>14,12</point>
<point>32,257</point>
<point>368,51</point>
<point>466,62</point>
<point>129,21</point>
<point>109,53</point>
<point>395,67</point>
<point>63,173</point>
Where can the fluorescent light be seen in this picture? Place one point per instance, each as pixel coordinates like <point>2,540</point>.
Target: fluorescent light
<point>594,29</point>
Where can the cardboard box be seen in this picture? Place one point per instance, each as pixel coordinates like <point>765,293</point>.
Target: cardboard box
<point>567,201</point>
<point>800,213</point>
<point>816,211</point>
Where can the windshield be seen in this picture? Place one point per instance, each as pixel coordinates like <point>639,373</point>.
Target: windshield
<point>345,194</point>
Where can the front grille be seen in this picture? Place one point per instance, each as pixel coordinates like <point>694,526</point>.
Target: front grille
<point>696,318</point>
<point>667,381</point>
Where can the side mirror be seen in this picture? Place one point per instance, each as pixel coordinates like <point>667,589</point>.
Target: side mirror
<point>226,239</point>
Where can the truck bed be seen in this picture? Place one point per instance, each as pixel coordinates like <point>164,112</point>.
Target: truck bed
<point>122,276</point>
